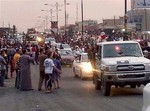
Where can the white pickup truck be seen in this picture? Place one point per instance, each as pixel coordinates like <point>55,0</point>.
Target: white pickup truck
<point>120,63</point>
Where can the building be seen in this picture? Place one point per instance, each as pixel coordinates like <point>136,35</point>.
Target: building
<point>111,25</point>
<point>89,26</point>
<point>140,18</point>
<point>139,15</point>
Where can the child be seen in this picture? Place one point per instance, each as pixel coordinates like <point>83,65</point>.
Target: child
<point>49,66</point>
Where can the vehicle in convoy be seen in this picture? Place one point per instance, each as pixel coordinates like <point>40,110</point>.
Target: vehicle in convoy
<point>67,57</point>
<point>120,63</point>
<point>35,39</point>
<point>32,39</point>
<point>63,46</point>
<point>146,98</point>
<point>50,40</point>
<point>82,67</point>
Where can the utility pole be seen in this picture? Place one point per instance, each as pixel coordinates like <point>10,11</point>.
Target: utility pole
<point>51,14</point>
<point>77,17</point>
<point>82,15</point>
<point>65,17</point>
<point>57,15</point>
<point>57,11</point>
<point>46,22</point>
<point>44,25</point>
<point>145,18</point>
<point>3,24</point>
<point>125,16</point>
<point>144,3</point>
<point>114,23</point>
<point>77,12</point>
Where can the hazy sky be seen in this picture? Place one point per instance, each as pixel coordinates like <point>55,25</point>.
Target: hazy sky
<point>24,13</point>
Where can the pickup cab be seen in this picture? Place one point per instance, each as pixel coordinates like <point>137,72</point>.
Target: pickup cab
<point>120,63</point>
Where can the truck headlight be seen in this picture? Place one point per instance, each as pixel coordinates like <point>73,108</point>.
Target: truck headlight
<point>39,39</point>
<point>87,67</point>
<point>147,66</point>
<point>110,68</point>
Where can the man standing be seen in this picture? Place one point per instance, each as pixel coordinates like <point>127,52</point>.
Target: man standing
<point>92,57</point>
<point>25,72</point>
<point>2,69</point>
<point>15,58</point>
<point>41,59</point>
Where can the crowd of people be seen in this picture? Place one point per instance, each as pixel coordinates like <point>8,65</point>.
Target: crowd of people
<point>17,60</point>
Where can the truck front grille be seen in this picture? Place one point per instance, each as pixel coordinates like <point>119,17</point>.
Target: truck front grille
<point>131,76</point>
<point>130,67</point>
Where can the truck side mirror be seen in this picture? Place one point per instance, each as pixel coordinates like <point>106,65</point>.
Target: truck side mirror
<point>98,56</point>
<point>145,52</point>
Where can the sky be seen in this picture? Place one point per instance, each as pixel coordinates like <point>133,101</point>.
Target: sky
<point>25,13</point>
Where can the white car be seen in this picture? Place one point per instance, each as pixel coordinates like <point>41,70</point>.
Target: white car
<point>146,98</point>
<point>82,67</point>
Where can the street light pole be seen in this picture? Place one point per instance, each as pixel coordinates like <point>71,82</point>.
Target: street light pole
<point>145,11</point>
<point>57,11</point>
<point>65,17</point>
<point>82,16</point>
<point>57,15</point>
<point>125,16</point>
<point>51,13</point>
<point>44,21</point>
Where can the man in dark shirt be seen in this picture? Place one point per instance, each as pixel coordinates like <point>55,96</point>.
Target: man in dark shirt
<point>2,69</point>
<point>41,58</point>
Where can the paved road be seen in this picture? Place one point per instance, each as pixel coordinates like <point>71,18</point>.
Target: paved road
<point>74,95</point>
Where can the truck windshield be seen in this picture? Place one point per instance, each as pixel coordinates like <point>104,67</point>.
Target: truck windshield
<point>122,50</point>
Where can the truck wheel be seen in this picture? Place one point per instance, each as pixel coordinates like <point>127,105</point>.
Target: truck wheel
<point>70,66</point>
<point>106,88</point>
<point>74,73</point>
<point>94,79</point>
<point>81,76</point>
<point>133,86</point>
<point>97,84</point>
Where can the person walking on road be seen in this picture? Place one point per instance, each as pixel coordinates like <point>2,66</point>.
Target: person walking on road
<point>25,72</point>
<point>49,66</point>
<point>41,59</point>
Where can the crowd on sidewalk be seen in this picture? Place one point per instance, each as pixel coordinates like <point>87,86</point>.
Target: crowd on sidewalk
<point>17,59</point>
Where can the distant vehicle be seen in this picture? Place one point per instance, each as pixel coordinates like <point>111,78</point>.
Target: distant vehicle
<point>63,46</point>
<point>32,39</point>
<point>31,31</point>
<point>50,40</point>
<point>67,57</point>
<point>12,41</point>
<point>120,63</point>
<point>82,67</point>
